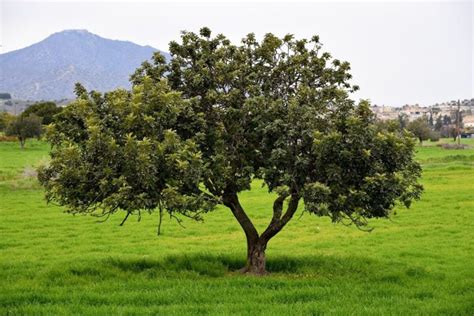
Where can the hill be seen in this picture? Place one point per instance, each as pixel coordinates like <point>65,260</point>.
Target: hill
<point>48,70</point>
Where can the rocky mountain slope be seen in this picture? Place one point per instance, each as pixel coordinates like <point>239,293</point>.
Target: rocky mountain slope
<point>48,70</point>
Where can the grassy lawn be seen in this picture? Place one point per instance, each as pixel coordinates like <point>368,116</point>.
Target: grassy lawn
<point>420,262</point>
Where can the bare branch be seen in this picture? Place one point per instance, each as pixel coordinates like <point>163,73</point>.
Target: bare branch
<point>161,218</point>
<point>104,220</point>
<point>126,217</point>
<point>178,220</point>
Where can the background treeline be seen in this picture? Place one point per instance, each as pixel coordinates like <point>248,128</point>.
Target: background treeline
<point>29,123</point>
<point>426,127</point>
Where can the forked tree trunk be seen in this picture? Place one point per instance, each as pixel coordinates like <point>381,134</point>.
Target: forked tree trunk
<point>257,244</point>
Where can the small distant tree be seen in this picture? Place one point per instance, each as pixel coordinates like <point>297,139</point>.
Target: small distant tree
<point>45,110</point>
<point>446,120</point>
<point>430,120</point>
<point>439,123</point>
<point>403,121</point>
<point>420,128</point>
<point>435,136</point>
<point>5,120</point>
<point>197,131</point>
<point>454,132</point>
<point>456,114</point>
<point>24,128</point>
<point>5,96</point>
<point>446,131</point>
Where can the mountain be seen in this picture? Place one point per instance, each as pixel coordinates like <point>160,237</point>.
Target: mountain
<point>49,69</point>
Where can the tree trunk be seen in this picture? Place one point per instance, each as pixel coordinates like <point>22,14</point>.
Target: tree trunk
<point>257,244</point>
<point>255,248</point>
<point>22,143</point>
<point>256,261</point>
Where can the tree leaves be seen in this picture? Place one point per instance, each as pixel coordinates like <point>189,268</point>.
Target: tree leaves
<point>218,115</point>
<point>109,155</point>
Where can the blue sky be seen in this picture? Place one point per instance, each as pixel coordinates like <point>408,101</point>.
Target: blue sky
<point>400,52</point>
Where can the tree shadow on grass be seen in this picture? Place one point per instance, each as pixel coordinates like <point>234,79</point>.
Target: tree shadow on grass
<point>220,265</point>
<point>201,265</point>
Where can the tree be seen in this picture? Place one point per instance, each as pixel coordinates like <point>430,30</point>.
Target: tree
<point>446,120</point>
<point>25,127</point>
<point>435,136</point>
<point>430,120</point>
<point>458,118</point>
<point>276,110</point>
<point>420,128</point>
<point>45,110</point>
<point>438,124</point>
<point>5,96</point>
<point>5,120</point>
<point>403,120</point>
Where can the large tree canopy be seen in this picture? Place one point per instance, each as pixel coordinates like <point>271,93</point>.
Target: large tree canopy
<point>197,131</point>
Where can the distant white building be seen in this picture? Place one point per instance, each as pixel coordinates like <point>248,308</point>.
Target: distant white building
<point>414,112</point>
<point>468,121</point>
<point>385,112</point>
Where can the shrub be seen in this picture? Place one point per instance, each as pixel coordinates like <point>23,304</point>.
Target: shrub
<point>435,136</point>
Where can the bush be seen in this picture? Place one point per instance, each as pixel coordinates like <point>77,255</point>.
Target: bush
<point>435,136</point>
<point>5,120</point>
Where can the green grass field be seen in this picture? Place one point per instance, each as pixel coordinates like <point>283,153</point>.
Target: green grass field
<point>420,262</point>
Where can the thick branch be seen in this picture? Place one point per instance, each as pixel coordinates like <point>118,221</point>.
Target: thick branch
<point>278,208</point>
<point>231,200</point>
<point>277,211</point>
<point>277,224</point>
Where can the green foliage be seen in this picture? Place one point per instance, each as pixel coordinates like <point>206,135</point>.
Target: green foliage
<point>25,127</point>
<point>420,128</point>
<point>439,123</point>
<point>5,96</point>
<point>118,152</point>
<point>45,110</point>
<point>392,126</point>
<point>276,110</point>
<point>365,170</point>
<point>79,90</point>
<point>5,120</point>
<point>435,136</point>
<point>403,121</point>
<point>447,120</point>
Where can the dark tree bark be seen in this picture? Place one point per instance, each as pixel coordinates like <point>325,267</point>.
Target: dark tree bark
<point>256,260</point>
<point>257,244</point>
